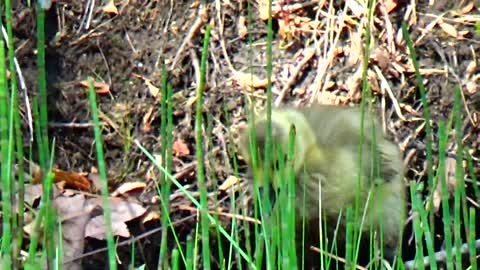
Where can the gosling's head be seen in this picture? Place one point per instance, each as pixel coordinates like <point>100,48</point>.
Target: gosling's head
<point>283,122</point>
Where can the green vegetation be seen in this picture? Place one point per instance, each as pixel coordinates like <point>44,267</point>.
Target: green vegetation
<point>265,240</point>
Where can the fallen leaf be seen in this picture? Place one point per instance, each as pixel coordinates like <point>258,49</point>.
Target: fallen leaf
<point>70,179</point>
<point>355,48</point>
<point>180,148</point>
<point>229,182</point>
<point>32,193</point>
<point>242,27</point>
<point>147,120</point>
<point>451,182</point>
<point>450,168</point>
<point>389,5</point>
<point>121,212</point>
<point>448,28</point>
<point>110,8</point>
<point>96,228</point>
<point>471,87</point>
<point>263,9</point>
<point>100,87</point>
<point>249,81</point>
<point>464,10</point>
<point>154,91</point>
<point>128,187</point>
<point>356,8</point>
<point>150,216</point>
<point>468,8</point>
<point>94,177</point>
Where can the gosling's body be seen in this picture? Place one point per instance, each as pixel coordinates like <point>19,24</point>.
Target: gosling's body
<point>328,166</point>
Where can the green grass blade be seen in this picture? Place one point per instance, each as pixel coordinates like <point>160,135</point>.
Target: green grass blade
<point>441,178</point>
<point>103,177</point>
<point>5,164</point>
<point>199,154</point>
<point>42,81</point>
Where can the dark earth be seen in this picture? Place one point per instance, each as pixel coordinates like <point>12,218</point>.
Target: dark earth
<point>125,50</point>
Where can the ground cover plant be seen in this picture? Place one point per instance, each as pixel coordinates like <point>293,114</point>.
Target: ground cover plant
<point>120,121</point>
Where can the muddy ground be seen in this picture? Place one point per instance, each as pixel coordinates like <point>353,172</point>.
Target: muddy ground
<point>317,57</point>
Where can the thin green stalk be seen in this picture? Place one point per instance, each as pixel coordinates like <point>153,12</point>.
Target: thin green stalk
<point>42,81</point>
<point>190,253</point>
<point>199,153</point>
<point>291,199</point>
<point>166,142</point>
<point>5,164</point>
<point>18,134</point>
<point>365,97</point>
<point>426,114</point>
<point>471,171</point>
<point>107,212</point>
<point>196,203</point>
<point>443,139</point>
<point>417,227</point>
<point>349,238</point>
<point>472,239</point>
<point>247,233</point>
<point>49,240</point>
<point>195,245</point>
<point>460,193</point>
<point>132,254</point>
<point>267,230</point>
<point>39,220</point>
<point>175,263</point>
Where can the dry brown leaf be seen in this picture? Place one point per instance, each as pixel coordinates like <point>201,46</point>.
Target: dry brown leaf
<point>152,89</point>
<point>285,30</point>
<point>355,48</point>
<point>450,168</point>
<point>242,27</point>
<point>263,9</point>
<point>32,193</point>
<point>357,9</point>
<point>471,87</point>
<point>463,33</point>
<point>128,187</point>
<point>94,177</point>
<point>249,81</point>
<point>180,148</point>
<point>448,28</point>
<point>75,214</point>
<point>195,4</point>
<point>466,9</point>
<point>191,101</point>
<point>150,216</point>
<point>110,8</point>
<point>229,182</point>
<point>96,228</point>
<point>121,210</point>
<point>147,120</point>
<point>437,198</point>
<point>389,5</point>
<point>326,98</point>
<point>100,87</point>
<point>70,179</point>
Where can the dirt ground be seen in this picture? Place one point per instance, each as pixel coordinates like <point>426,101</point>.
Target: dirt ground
<point>318,51</point>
